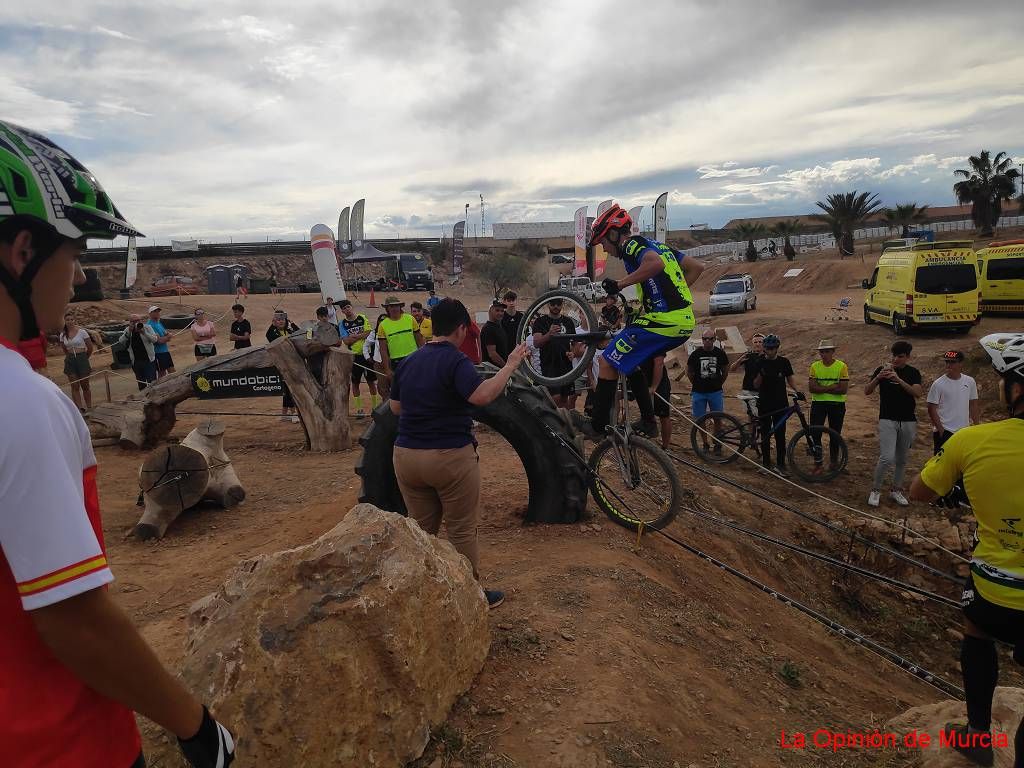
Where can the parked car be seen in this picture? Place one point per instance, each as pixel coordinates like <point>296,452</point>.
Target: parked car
<point>733,293</point>
<point>562,258</point>
<point>582,285</point>
<point>172,285</point>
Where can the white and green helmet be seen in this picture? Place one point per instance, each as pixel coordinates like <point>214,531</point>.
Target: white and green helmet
<point>40,180</point>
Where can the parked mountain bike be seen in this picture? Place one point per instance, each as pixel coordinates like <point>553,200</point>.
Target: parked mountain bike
<point>815,454</point>
<point>631,479</point>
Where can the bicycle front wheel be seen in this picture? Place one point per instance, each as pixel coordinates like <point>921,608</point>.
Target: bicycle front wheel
<point>635,485</point>
<point>718,438</point>
<point>574,307</point>
<point>817,454</point>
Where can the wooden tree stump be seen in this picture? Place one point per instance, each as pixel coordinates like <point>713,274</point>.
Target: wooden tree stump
<point>176,477</point>
<point>322,406</point>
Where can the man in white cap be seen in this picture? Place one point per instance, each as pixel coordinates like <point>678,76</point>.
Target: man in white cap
<point>828,382</point>
<point>164,362</point>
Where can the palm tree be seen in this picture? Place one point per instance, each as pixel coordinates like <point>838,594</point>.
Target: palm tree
<point>844,212</point>
<point>903,215</point>
<point>786,229</point>
<point>985,185</point>
<point>749,231</point>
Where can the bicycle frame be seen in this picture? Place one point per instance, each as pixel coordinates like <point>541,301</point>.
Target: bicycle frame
<point>788,411</point>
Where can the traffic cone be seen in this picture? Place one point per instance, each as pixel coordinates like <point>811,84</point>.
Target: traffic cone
<point>373,301</point>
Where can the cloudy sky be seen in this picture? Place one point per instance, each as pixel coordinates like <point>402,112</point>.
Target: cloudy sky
<point>254,119</point>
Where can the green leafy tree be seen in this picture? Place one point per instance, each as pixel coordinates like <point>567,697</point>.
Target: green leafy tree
<point>903,216</point>
<point>985,185</point>
<point>844,212</point>
<point>503,270</point>
<point>786,229</point>
<point>749,231</point>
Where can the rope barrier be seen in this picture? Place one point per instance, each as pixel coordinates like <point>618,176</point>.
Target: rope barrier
<point>859,639</point>
<point>894,523</point>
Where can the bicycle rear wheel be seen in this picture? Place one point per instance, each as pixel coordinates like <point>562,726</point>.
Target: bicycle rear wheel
<point>718,438</point>
<point>575,308</point>
<point>811,451</point>
<point>643,488</point>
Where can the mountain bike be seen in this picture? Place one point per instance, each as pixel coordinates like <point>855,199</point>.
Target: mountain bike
<point>719,438</point>
<point>632,479</point>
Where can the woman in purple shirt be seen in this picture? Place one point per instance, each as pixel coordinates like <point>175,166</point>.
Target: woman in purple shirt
<point>433,394</point>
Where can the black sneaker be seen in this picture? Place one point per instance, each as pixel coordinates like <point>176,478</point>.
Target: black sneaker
<point>781,470</point>
<point>646,428</point>
<point>968,744</point>
<point>582,424</point>
<point>495,597</point>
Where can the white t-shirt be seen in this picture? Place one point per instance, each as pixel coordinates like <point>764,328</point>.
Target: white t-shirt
<point>48,488</point>
<point>76,343</point>
<point>370,342</point>
<point>953,398</point>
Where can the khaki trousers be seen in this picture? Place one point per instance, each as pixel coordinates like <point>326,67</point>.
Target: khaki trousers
<point>443,483</point>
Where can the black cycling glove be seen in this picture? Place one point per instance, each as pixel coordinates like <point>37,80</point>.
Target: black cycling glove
<point>211,747</point>
<point>611,287</point>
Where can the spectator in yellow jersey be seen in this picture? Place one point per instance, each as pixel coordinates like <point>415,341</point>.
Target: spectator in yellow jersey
<point>828,382</point>
<point>988,459</point>
<point>422,320</point>
<point>398,336</point>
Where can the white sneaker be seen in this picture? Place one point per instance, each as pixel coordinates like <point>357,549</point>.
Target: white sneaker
<point>899,498</point>
<point>874,498</point>
<point>295,419</point>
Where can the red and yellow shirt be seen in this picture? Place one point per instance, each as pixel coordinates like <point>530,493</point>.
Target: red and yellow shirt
<point>52,549</point>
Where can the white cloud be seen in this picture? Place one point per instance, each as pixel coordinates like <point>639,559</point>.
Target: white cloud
<point>728,170</point>
<point>255,116</point>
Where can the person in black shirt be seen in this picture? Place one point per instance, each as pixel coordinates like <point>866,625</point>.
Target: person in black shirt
<point>512,318</point>
<point>241,330</point>
<point>280,326</point>
<point>493,339</point>
<point>774,373</point>
<point>707,368</point>
<point>899,387</point>
<point>554,352</point>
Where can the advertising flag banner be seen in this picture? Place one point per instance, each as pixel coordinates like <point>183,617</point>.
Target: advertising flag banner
<point>458,236</point>
<point>356,231</point>
<point>661,217</point>
<point>325,262</point>
<point>635,214</point>
<point>604,206</point>
<point>344,244</point>
<point>582,234</point>
<point>131,268</point>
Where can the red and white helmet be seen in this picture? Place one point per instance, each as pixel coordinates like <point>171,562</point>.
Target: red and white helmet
<point>615,217</point>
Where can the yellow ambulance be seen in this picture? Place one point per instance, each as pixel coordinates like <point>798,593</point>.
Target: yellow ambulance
<point>1001,277</point>
<point>925,286</point>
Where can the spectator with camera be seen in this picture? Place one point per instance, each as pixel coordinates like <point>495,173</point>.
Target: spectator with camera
<point>140,340</point>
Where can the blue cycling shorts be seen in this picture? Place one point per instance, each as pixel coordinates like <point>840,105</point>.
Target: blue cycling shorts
<point>631,346</point>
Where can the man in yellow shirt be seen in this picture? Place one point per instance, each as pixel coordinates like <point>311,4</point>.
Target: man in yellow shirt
<point>828,382</point>
<point>989,459</point>
<point>398,335</point>
<point>423,320</point>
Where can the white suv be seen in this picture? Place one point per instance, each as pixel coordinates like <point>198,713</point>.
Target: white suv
<point>733,293</point>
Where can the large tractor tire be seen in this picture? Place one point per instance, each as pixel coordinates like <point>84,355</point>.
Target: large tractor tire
<point>523,416</point>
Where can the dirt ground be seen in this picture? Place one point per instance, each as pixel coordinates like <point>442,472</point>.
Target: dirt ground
<point>604,654</point>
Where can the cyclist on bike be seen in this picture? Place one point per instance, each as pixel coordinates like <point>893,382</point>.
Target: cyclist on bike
<point>988,459</point>
<point>662,277</point>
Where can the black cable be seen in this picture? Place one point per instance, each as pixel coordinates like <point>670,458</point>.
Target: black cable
<point>819,520</point>
<point>889,655</point>
<point>841,564</point>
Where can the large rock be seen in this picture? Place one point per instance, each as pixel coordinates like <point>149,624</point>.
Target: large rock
<point>343,652</point>
<point>1007,711</point>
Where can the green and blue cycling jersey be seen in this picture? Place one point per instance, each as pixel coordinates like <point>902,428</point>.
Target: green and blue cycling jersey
<point>665,299</point>
<point>666,320</point>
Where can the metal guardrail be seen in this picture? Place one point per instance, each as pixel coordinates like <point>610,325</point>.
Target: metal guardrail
<point>232,250</point>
